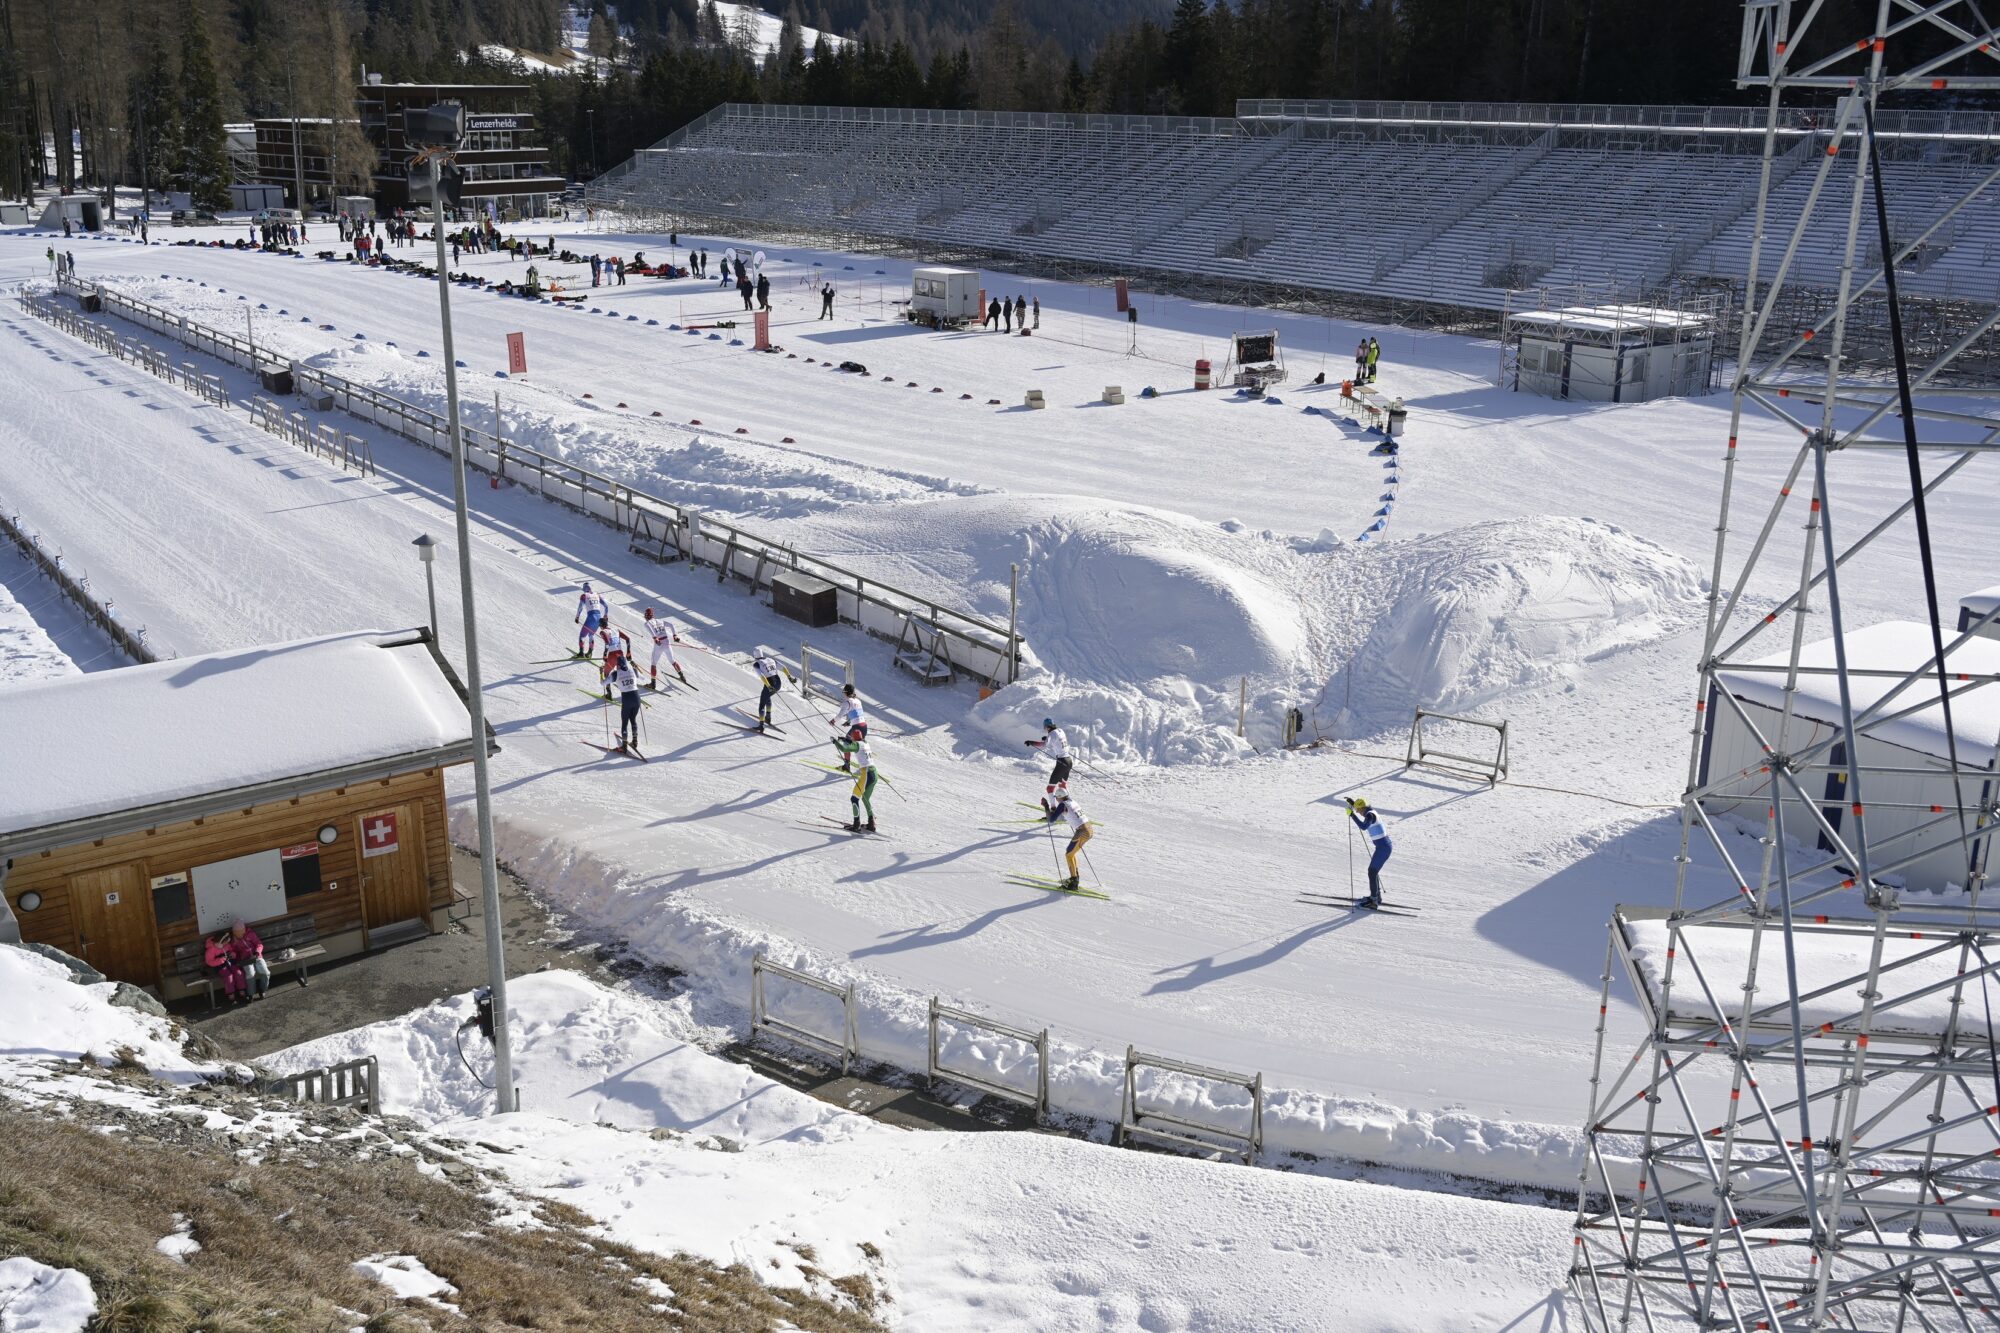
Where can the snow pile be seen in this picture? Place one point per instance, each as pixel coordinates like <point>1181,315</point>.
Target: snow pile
<point>1143,624</point>
<point>179,1245</point>
<point>406,1275</point>
<point>26,651</point>
<point>673,1150</point>
<point>52,1016</point>
<point>581,1052</point>
<point>35,1298</point>
<point>1464,618</point>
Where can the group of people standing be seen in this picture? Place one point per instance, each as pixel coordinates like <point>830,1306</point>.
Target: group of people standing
<point>1004,315</point>
<point>1367,354</point>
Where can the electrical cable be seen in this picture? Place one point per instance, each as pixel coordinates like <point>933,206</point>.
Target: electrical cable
<point>1919,508</point>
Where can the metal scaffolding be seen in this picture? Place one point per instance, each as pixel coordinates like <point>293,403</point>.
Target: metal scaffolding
<point>1807,1136</point>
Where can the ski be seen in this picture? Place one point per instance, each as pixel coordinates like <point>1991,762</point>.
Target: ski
<point>1054,886</point>
<point>1354,905</point>
<point>752,730</point>
<point>828,768</point>
<point>672,680</point>
<point>833,825</point>
<point>768,726</point>
<point>558,661</point>
<point>631,751</point>
<point>1040,823</point>
<point>593,694</point>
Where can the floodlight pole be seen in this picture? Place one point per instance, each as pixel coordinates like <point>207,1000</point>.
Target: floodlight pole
<point>489,871</point>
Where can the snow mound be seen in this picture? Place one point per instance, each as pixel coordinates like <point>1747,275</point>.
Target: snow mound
<point>1472,615</point>
<point>35,1298</point>
<point>1146,629</point>
<point>50,1016</point>
<point>26,651</point>
<point>581,1052</point>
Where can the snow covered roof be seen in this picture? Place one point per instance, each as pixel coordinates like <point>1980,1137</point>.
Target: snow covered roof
<point>1612,318</point>
<point>1980,603</point>
<point>99,754</point>
<point>1893,645</point>
<point>939,270</point>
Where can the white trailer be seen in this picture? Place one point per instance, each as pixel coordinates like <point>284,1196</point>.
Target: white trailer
<point>944,297</point>
<point>1909,807</point>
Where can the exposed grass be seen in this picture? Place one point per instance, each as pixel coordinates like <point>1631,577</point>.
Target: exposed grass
<point>76,1197</point>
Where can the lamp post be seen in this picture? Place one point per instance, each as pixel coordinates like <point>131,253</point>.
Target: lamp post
<point>427,552</point>
<point>590,118</point>
<point>441,131</point>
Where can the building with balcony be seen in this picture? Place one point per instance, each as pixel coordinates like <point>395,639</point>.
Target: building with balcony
<point>499,162</point>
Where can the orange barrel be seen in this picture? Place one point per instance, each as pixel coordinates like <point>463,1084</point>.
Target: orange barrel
<point>1202,376</point>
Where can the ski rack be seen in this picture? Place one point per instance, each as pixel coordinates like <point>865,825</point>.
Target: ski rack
<point>1420,755</point>
<point>806,680</point>
<point>846,1046</point>
<point>936,1071</point>
<point>1132,1119</point>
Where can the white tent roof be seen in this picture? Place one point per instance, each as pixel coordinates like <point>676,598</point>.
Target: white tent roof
<point>1894,645</point>
<point>141,736</point>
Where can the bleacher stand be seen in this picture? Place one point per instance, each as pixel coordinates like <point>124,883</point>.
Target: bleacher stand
<point>1448,205</point>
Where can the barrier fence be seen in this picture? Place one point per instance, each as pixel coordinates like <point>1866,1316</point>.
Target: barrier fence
<point>356,1083</point>
<point>987,650</point>
<point>818,674</point>
<point>845,1047</point>
<point>1423,753</point>
<point>1135,1121</point>
<point>1038,1042</point>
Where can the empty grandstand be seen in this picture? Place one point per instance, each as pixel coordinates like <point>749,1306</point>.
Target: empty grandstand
<point>1434,212</point>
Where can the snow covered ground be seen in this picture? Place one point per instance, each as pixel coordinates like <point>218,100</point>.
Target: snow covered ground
<point>1544,563</point>
<point>26,650</point>
<point>675,1150</point>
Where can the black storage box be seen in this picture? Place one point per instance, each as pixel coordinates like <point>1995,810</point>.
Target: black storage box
<point>277,381</point>
<point>808,600</point>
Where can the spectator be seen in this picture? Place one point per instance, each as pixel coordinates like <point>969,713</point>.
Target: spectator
<point>1006,316</point>
<point>1021,311</point>
<point>826,301</point>
<point>247,952</point>
<point>1374,359</point>
<point>618,265</point>
<point>1361,362</point>
<point>216,956</point>
<point>65,226</point>
<point>595,266</point>
<point>992,313</point>
<point>746,291</point>
<point>763,292</point>
<point>1038,312</point>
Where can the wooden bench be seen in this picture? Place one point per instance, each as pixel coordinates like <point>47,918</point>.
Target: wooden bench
<point>296,933</point>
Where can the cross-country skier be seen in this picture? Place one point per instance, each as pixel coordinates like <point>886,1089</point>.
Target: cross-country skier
<point>1364,819</point>
<point>1079,834</point>
<point>765,664</point>
<point>626,681</point>
<point>664,639</point>
<point>591,613</point>
<point>864,780</point>
<point>617,653</point>
<point>1055,745</point>
<point>851,719</point>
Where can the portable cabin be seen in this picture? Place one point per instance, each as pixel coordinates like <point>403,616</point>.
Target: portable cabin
<point>84,211</point>
<point>298,786</point>
<point>1611,354</point>
<point>256,198</point>
<point>1911,828</point>
<point>944,296</point>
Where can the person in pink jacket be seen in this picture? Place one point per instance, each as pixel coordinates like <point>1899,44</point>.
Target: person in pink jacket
<point>216,956</point>
<point>247,952</point>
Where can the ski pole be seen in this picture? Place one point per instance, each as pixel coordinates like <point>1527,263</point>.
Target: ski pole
<point>1053,854</point>
<point>1350,859</point>
<point>605,708</point>
<point>892,786</point>
<point>1085,852</point>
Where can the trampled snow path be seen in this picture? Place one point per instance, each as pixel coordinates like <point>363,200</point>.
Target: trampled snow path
<point>1368,1027</point>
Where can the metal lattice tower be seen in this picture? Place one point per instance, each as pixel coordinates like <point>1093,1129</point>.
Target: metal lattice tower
<point>1808,1134</point>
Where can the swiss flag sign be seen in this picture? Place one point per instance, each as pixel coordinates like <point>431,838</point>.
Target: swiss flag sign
<point>379,834</point>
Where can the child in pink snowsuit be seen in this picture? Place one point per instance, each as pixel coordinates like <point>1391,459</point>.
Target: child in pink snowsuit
<point>216,955</point>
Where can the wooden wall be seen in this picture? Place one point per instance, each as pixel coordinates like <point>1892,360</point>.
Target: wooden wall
<point>177,848</point>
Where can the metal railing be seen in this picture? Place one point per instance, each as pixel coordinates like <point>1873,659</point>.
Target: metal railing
<point>1136,1121</point>
<point>978,645</point>
<point>1038,1042</point>
<point>1423,755</point>
<point>356,1083</point>
<point>1598,115</point>
<point>844,1047</point>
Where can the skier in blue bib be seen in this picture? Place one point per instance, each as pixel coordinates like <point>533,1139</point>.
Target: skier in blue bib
<point>592,611</point>
<point>1364,819</point>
